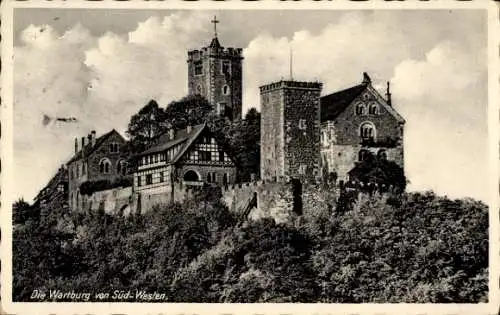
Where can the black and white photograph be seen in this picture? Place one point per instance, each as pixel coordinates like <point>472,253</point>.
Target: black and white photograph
<point>183,155</point>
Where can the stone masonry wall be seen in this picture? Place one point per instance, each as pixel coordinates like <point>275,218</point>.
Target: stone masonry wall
<point>274,199</point>
<point>302,131</point>
<point>271,134</point>
<point>342,158</point>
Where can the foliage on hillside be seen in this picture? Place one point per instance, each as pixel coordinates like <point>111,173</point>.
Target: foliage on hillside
<point>408,248</point>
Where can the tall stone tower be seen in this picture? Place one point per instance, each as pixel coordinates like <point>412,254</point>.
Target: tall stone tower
<point>290,129</point>
<point>215,73</point>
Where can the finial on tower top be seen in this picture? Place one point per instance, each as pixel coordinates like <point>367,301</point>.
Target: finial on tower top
<point>215,21</point>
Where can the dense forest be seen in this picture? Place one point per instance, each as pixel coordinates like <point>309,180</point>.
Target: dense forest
<point>413,247</point>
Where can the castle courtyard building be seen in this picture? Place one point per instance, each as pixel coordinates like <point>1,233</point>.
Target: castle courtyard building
<point>95,159</point>
<point>356,122</point>
<point>189,157</point>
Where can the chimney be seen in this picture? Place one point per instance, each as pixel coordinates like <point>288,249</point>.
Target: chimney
<point>83,142</point>
<point>92,138</point>
<point>171,133</point>
<point>76,145</point>
<point>189,129</point>
<point>366,79</point>
<point>388,94</point>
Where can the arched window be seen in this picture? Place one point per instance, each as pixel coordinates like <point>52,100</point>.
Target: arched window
<point>373,109</point>
<point>360,109</point>
<point>224,179</point>
<point>225,90</point>
<point>382,154</point>
<point>363,155</point>
<point>104,166</point>
<point>121,167</point>
<point>209,178</point>
<point>367,131</point>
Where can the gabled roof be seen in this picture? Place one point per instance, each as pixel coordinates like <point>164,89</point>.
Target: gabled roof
<point>181,137</point>
<point>88,149</point>
<point>60,176</point>
<point>334,104</point>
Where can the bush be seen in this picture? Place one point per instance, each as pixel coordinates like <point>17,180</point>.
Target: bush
<point>90,187</point>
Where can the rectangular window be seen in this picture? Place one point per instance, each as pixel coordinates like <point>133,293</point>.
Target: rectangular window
<point>221,156</point>
<point>221,109</point>
<point>205,155</point>
<point>198,68</point>
<point>162,179</point>
<point>302,169</point>
<point>149,179</point>
<point>302,124</point>
<point>113,147</point>
<point>226,67</point>
<point>139,184</point>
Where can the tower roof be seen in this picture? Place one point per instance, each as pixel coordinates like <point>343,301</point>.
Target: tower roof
<point>215,43</point>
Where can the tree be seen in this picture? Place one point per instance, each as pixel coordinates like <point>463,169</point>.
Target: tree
<point>146,125</point>
<point>378,170</point>
<point>242,139</point>
<point>190,110</point>
<point>22,211</point>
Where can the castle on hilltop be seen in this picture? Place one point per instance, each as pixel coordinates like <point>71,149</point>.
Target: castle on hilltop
<point>306,137</point>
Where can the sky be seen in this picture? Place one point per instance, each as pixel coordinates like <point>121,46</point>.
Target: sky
<point>102,66</point>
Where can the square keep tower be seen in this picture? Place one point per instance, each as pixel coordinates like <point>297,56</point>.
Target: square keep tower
<point>290,129</point>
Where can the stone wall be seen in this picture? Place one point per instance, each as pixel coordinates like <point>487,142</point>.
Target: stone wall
<point>342,158</point>
<point>302,130</point>
<point>275,199</point>
<point>271,134</point>
<point>115,201</point>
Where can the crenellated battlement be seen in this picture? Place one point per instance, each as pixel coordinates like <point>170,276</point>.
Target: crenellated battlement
<point>291,84</point>
<point>219,52</point>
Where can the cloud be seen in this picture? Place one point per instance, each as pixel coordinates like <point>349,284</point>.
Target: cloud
<point>444,97</point>
<point>101,81</point>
